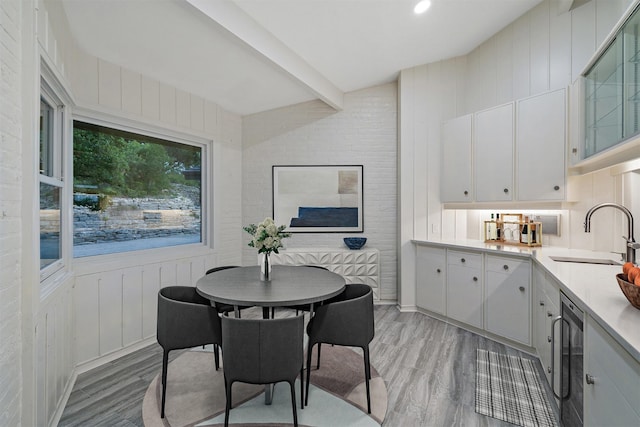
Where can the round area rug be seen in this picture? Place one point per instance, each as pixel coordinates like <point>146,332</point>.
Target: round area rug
<point>196,396</point>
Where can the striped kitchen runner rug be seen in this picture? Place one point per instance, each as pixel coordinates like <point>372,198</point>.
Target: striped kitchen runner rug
<point>508,388</point>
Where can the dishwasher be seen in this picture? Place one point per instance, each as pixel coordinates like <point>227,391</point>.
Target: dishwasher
<point>571,364</point>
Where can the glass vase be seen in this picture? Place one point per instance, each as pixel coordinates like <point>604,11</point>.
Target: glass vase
<point>265,267</point>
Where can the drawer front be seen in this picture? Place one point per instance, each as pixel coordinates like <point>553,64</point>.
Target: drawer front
<point>464,259</point>
<point>505,265</point>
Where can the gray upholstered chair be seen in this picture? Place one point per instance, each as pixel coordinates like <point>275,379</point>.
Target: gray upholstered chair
<point>185,320</point>
<point>345,320</point>
<point>301,307</point>
<point>222,307</point>
<point>263,351</point>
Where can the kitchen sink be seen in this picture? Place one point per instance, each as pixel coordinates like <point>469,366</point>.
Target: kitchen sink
<point>601,261</point>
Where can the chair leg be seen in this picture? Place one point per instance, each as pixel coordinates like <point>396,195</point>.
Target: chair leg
<point>367,375</point>
<point>165,363</point>
<point>216,355</point>
<point>318,364</point>
<point>306,395</point>
<point>227,408</point>
<point>302,387</point>
<point>293,403</point>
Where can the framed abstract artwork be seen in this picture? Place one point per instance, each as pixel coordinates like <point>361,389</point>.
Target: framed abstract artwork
<point>318,199</point>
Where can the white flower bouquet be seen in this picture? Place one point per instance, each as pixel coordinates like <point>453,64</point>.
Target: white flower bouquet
<point>267,236</point>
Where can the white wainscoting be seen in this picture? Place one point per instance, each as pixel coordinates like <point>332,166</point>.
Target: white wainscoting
<point>53,353</point>
<point>116,308</point>
<point>356,266</point>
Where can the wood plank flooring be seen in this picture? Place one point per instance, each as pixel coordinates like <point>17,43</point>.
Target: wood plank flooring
<point>428,367</point>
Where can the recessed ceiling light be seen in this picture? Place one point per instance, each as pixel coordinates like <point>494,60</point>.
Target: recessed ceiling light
<point>422,6</point>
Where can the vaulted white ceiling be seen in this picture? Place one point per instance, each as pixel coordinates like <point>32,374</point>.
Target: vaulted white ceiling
<point>254,55</point>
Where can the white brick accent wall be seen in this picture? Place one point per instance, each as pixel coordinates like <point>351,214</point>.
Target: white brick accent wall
<point>10,213</point>
<point>364,133</point>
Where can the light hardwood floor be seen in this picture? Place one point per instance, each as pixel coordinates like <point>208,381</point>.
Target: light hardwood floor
<point>428,367</point>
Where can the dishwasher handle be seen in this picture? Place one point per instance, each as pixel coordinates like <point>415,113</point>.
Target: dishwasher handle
<point>553,354</point>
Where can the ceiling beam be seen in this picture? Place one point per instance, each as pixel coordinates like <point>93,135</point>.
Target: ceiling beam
<point>228,15</point>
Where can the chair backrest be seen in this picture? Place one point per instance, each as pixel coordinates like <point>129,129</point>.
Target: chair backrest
<point>262,351</point>
<point>186,319</point>
<point>347,320</point>
<point>223,267</point>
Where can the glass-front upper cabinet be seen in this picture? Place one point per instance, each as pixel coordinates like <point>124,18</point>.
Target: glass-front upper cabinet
<point>612,91</point>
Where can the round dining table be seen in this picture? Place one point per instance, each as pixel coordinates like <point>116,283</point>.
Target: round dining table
<point>289,285</point>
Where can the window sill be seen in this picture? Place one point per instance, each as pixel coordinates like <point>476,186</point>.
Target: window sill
<point>97,263</point>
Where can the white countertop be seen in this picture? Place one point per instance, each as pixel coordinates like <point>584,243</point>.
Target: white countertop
<point>592,287</point>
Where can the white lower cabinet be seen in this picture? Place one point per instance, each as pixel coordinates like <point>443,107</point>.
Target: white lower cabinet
<point>431,276</point>
<point>508,298</point>
<point>464,287</point>
<point>611,381</point>
<point>546,310</point>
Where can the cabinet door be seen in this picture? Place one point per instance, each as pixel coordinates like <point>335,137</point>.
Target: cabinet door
<point>493,154</point>
<point>431,279</point>
<point>613,397</point>
<point>541,146</point>
<point>553,333</point>
<point>456,160</point>
<point>508,298</point>
<point>464,287</point>
<point>540,331</point>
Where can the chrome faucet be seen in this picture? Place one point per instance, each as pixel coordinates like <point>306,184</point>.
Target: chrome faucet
<point>631,243</point>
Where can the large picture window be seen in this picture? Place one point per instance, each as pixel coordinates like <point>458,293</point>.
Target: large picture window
<point>133,191</point>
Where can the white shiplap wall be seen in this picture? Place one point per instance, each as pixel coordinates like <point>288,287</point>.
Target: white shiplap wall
<point>542,50</point>
<point>363,133</point>
<point>10,218</point>
<point>115,302</point>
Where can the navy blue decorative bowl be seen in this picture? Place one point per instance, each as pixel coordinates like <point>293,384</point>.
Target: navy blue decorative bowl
<point>355,242</point>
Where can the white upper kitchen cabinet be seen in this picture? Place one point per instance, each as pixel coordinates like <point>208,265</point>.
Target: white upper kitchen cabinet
<point>541,147</point>
<point>493,159</point>
<point>457,185</point>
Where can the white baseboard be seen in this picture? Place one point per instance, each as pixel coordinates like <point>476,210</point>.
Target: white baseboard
<point>94,363</point>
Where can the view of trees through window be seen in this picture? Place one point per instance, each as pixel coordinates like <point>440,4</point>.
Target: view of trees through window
<point>132,191</point>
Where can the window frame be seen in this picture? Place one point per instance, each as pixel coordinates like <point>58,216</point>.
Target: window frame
<point>54,94</point>
<point>145,128</point>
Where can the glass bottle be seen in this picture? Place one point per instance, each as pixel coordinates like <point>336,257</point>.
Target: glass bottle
<point>524,235</point>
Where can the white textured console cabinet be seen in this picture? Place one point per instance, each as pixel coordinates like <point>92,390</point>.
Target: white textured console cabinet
<point>356,266</point>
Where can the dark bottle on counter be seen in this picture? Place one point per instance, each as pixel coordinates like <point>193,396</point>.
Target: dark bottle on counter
<point>524,235</point>
<point>498,227</point>
<point>532,232</point>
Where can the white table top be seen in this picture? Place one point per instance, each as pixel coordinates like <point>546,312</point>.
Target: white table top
<point>289,285</point>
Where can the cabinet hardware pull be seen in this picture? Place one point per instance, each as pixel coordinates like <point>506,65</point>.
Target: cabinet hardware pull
<point>506,267</point>
<point>542,303</point>
<point>549,369</point>
<point>589,379</point>
<point>463,260</point>
<point>521,288</point>
<point>548,338</point>
<point>556,187</point>
<point>549,314</point>
<point>553,352</point>
<point>475,279</point>
<point>438,270</point>
<point>506,190</point>
<point>466,192</point>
